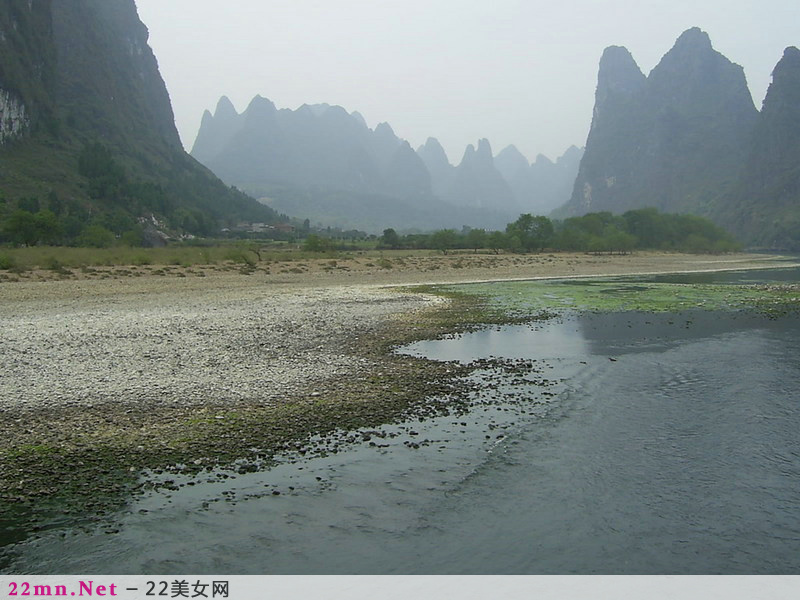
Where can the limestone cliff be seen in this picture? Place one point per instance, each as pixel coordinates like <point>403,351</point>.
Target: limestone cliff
<point>85,119</point>
<point>765,207</point>
<point>674,140</point>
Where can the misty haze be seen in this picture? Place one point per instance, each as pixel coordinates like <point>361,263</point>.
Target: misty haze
<point>399,289</point>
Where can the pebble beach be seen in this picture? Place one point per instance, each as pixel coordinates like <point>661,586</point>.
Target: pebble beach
<point>118,358</point>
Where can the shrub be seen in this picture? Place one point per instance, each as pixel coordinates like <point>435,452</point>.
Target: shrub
<point>7,262</point>
<point>96,236</point>
<point>240,256</point>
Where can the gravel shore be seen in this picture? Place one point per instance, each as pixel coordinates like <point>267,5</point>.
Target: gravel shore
<point>117,373</point>
<point>226,344</point>
<point>229,338</point>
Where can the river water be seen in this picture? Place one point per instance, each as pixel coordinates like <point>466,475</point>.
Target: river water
<point>622,443</point>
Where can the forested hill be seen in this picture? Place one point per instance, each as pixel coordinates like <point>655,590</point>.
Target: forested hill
<point>87,133</point>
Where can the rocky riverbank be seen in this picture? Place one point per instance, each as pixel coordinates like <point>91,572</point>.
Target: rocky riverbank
<point>104,377</point>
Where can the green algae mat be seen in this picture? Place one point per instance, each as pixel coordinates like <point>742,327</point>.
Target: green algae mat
<point>620,295</point>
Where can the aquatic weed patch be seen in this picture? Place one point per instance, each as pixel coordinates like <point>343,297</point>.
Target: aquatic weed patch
<point>777,300</point>
<point>468,307</point>
<point>615,295</point>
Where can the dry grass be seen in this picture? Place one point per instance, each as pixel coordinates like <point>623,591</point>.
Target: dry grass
<point>287,266</point>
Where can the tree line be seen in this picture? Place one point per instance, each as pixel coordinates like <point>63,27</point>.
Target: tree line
<point>602,232</point>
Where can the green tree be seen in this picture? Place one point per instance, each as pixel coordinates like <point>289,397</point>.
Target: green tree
<point>30,205</point>
<point>106,177</point>
<point>390,239</point>
<point>619,241</point>
<point>496,241</point>
<point>48,227</point>
<point>96,236</point>
<point>316,243</point>
<point>476,238</point>
<point>571,236</point>
<point>531,232</point>
<point>444,240</point>
<point>54,203</point>
<point>133,237</point>
<point>21,228</point>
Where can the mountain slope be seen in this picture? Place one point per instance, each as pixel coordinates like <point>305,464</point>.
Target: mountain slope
<point>97,134</point>
<point>314,146</point>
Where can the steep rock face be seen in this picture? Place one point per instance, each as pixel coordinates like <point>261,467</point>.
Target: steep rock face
<point>765,209</point>
<point>703,120</point>
<point>383,144</point>
<point>606,171</point>
<point>511,164</point>
<point>27,67</point>
<point>216,130</point>
<point>121,98</point>
<point>776,142</point>
<point>324,163</point>
<point>673,140</point>
<point>439,167</point>
<point>478,184</point>
<point>80,73</point>
<point>13,119</point>
<point>515,169</point>
<point>406,174</point>
<point>550,184</point>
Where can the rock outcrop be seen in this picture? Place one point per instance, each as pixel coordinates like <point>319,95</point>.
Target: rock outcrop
<point>439,167</point>
<point>328,165</point>
<point>478,184</point>
<point>542,186</point>
<point>13,119</point>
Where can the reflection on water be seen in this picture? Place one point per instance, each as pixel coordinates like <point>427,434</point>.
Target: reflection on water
<point>671,447</point>
<point>541,341</point>
<point>679,456</point>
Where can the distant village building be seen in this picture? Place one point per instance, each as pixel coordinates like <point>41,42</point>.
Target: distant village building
<point>264,227</point>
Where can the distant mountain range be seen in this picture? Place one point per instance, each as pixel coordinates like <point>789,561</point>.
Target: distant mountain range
<point>86,127</point>
<point>87,137</point>
<point>321,162</point>
<point>687,138</point>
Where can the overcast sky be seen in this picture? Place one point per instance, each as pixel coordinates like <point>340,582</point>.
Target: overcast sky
<point>519,72</point>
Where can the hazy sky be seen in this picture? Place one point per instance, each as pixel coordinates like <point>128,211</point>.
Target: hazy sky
<point>519,72</point>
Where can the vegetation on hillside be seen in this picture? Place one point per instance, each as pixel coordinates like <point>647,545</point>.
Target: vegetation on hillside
<point>115,207</point>
<point>100,161</point>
